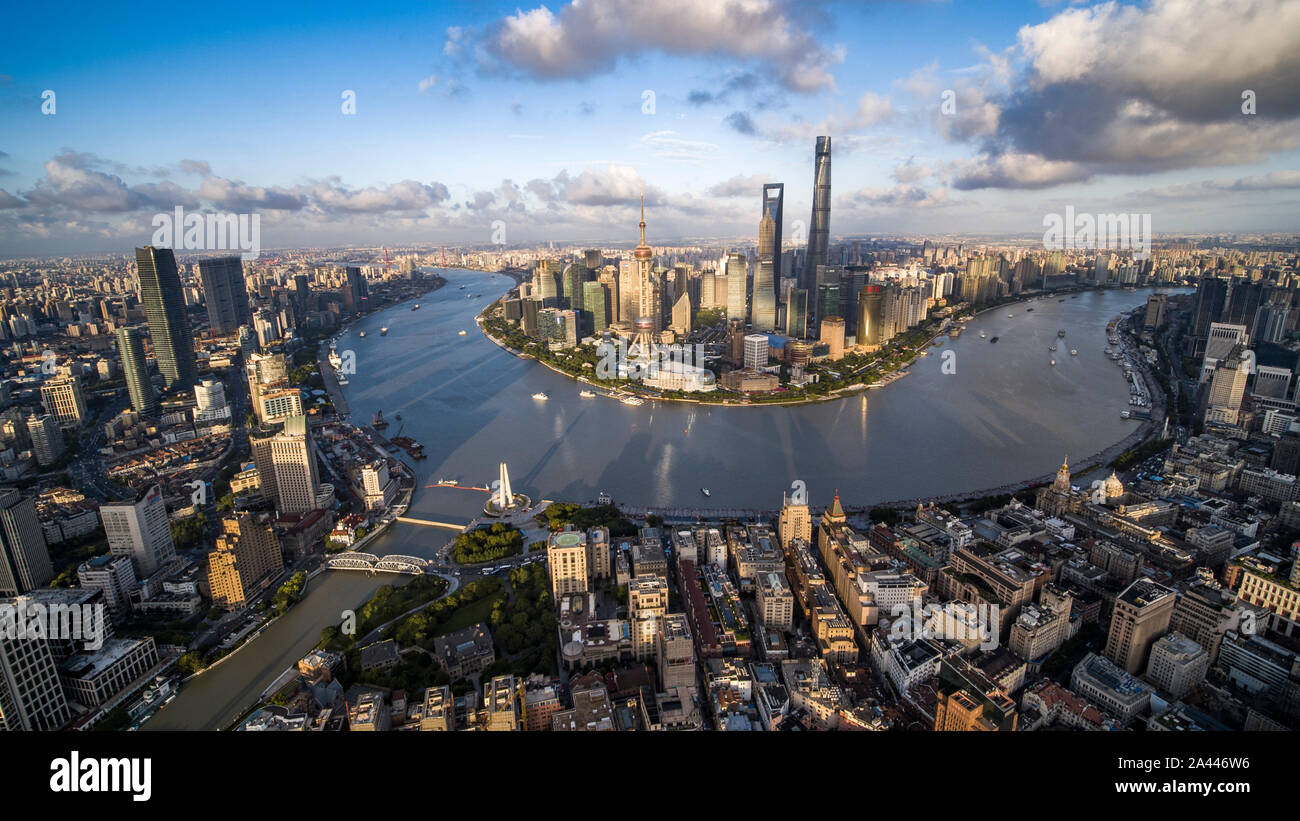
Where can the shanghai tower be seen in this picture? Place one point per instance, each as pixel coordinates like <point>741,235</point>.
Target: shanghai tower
<point>820,226</point>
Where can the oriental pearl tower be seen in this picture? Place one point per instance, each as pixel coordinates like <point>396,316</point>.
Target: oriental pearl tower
<point>643,341</point>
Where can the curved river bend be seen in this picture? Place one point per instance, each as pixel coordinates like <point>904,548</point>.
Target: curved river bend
<point>1005,415</point>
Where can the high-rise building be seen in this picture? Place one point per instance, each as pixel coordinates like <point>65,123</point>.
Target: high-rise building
<point>246,560</point>
<point>971,702</point>
<point>259,442</point>
<point>676,654</point>
<point>1227,387</point>
<point>1155,315</point>
<point>871,316</point>
<point>595,304</point>
<point>681,316</point>
<point>566,556</point>
<point>355,290</point>
<point>64,401</point>
<point>769,230</point>
<point>169,324</point>
<point>24,559</point>
<point>756,352</point>
<point>31,696</point>
<point>224,293</point>
<point>764,300</point>
<point>115,576</point>
<point>1141,615</point>
<point>130,347</point>
<point>141,530</point>
<point>773,600</point>
<point>1177,664</point>
<point>736,286</point>
<point>820,224</point>
<point>647,604</point>
<point>795,521</point>
<point>47,439</point>
<point>796,314</point>
<point>293,458</point>
<point>833,335</point>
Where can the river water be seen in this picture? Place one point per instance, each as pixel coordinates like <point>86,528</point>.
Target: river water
<point>1003,414</point>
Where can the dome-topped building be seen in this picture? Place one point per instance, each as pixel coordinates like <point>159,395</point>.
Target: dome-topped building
<point>1113,487</point>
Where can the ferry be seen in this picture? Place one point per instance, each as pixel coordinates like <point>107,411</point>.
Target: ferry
<point>587,394</point>
<point>383,332</point>
<point>541,396</point>
<point>634,401</point>
<point>705,491</point>
<point>460,333</point>
<point>335,360</point>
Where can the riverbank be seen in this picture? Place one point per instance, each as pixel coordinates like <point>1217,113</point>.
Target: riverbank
<point>736,401</point>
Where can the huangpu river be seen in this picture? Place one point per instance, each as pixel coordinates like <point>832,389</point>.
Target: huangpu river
<point>1004,414</point>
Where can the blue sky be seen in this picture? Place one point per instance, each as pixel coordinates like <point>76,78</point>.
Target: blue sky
<point>533,114</point>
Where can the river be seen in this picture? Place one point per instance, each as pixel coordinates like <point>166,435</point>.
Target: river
<point>1003,414</point>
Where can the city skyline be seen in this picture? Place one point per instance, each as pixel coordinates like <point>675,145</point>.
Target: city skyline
<point>537,119</point>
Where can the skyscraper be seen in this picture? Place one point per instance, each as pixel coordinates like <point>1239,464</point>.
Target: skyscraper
<point>736,287</point>
<point>767,276</point>
<point>164,308</point>
<point>141,530</point>
<point>796,314</point>
<point>24,559</point>
<point>63,400</point>
<point>820,226</point>
<point>31,697</point>
<point>224,293</point>
<point>764,301</point>
<point>870,316</point>
<point>595,305</point>
<point>355,290</point>
<point>47,439</point>
<point>293,456</point>
<point>130,347</point>
<point>247,558</point>
<point>1141,615</point>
